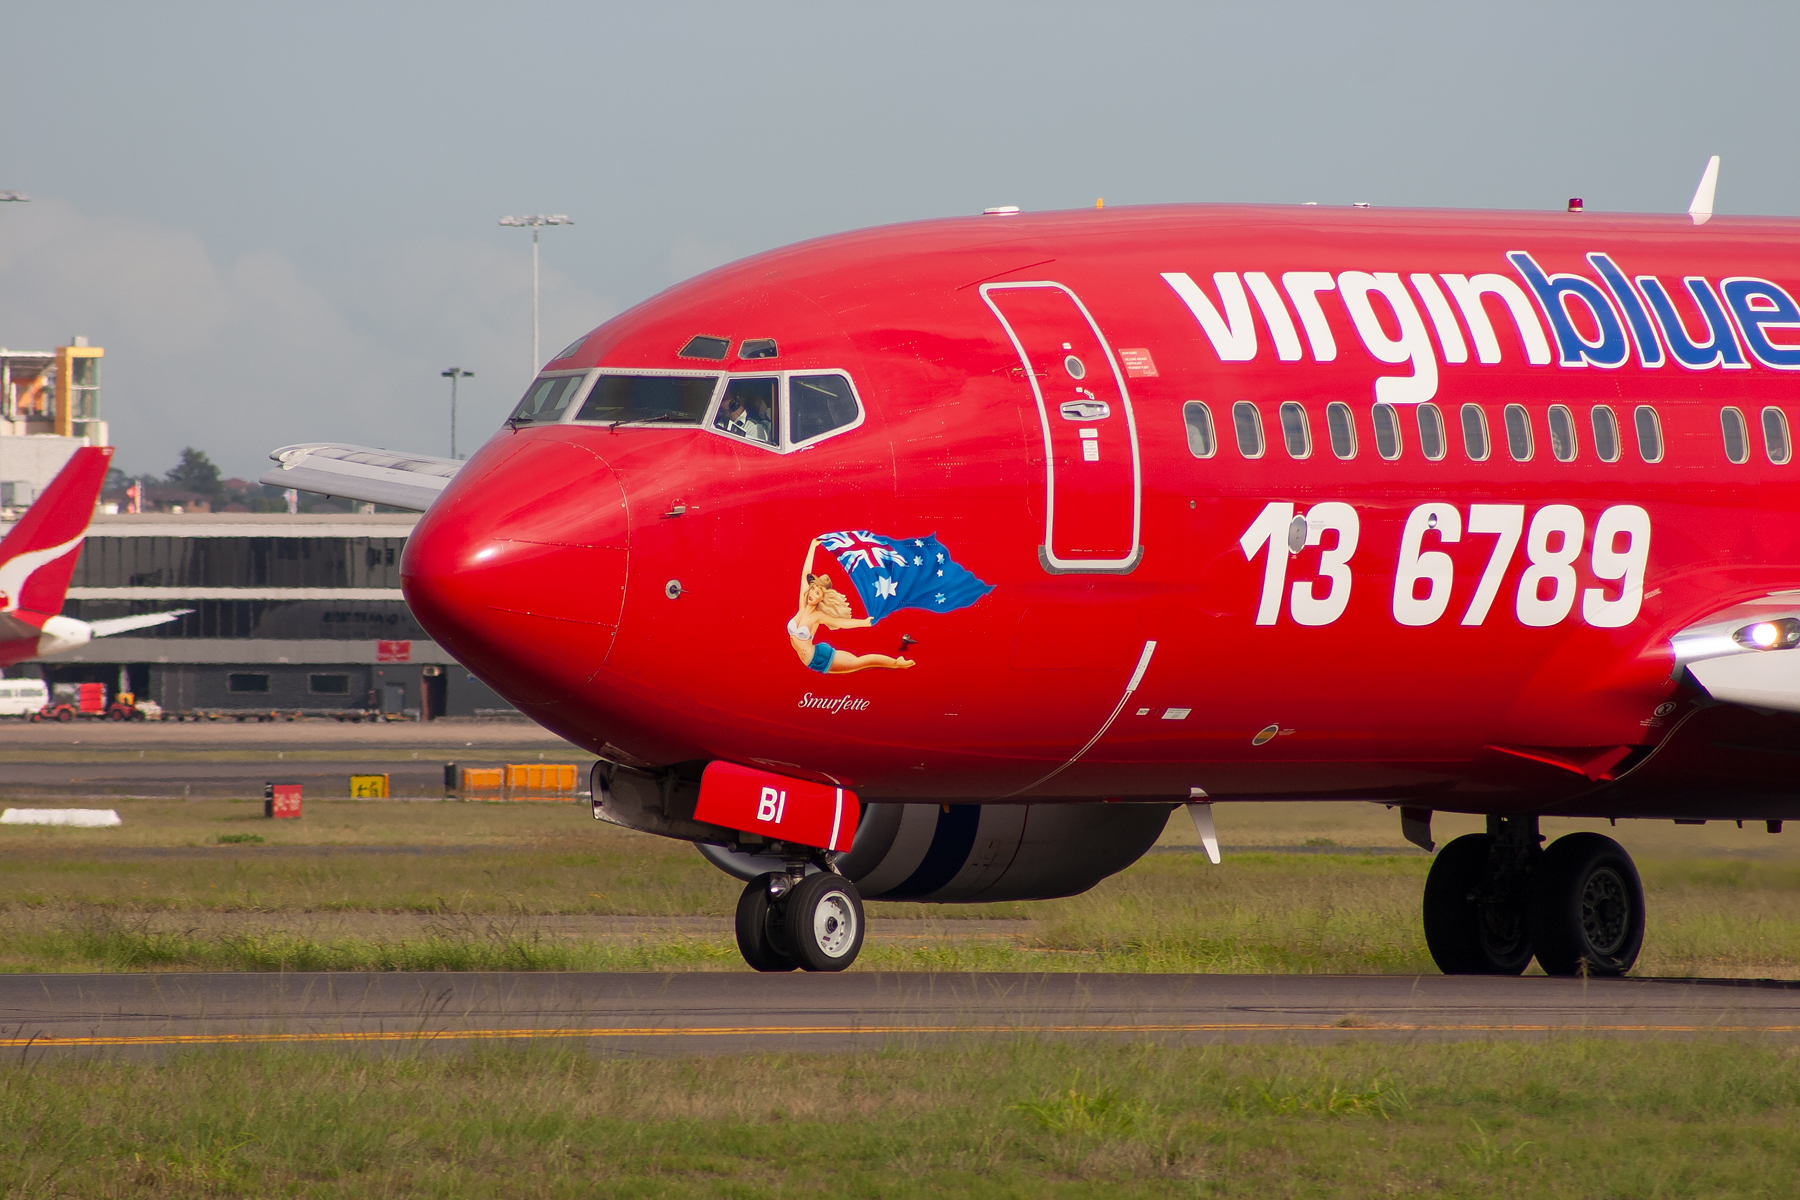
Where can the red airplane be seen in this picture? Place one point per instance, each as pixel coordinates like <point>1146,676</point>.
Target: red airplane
<point>37,558</point>
<point>944,561</point>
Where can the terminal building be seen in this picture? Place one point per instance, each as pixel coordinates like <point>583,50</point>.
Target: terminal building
<point>288,612</point>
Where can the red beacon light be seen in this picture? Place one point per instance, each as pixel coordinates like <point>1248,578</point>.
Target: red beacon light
<point>1574,203</point>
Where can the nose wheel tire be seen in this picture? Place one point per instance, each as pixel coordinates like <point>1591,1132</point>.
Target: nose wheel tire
<point>1474,923</point>
<point>1587,907</point>
<point>822,923</point>
<point>756,916</point>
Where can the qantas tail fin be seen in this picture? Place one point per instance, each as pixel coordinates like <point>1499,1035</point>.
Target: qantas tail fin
<point>38,556</point>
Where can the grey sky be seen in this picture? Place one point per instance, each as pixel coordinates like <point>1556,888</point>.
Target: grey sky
<point>280,220</point>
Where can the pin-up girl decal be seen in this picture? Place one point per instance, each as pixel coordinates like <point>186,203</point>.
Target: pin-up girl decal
<point>888,574</point>
<point>823,605</point>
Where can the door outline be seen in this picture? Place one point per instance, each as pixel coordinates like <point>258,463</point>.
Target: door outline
<point>1046,556</point>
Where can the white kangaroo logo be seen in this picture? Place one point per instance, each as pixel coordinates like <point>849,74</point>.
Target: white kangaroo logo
<point>15,573</point>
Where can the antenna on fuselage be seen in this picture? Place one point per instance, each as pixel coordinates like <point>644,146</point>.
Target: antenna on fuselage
<point>1701,210</point>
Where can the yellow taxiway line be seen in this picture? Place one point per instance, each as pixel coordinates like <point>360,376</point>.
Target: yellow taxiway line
<point>679,1031</point>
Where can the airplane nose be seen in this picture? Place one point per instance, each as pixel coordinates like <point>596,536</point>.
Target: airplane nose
<point>518,570</point>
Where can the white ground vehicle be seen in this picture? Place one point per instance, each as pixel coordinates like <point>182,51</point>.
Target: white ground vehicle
<point>22,697</point>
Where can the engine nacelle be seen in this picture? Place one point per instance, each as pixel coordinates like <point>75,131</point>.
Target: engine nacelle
<point>980,853</point>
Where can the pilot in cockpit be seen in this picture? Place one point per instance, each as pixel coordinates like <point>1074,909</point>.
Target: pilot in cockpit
<point>761,424</point>
<point>747,418</point>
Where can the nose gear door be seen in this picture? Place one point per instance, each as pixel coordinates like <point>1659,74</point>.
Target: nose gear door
<point>1093,477</point>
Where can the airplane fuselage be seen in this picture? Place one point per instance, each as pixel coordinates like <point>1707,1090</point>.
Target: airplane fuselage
<point>1244,531</point>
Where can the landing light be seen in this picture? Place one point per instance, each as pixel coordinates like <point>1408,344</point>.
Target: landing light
<point>1783,634</point>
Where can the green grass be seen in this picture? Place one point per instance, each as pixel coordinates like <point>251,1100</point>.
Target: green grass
<point>493,910</point>
<point>511,883</point>
<point>988,1118</point>
<point>105,944</point>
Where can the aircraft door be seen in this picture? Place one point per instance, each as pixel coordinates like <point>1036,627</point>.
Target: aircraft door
<point>1093,478</point>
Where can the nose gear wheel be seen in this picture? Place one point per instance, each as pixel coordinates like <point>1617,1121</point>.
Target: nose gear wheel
<point>815,924</point>
<point>756,917</point>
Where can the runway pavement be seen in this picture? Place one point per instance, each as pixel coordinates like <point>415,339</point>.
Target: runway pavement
<point>669,1014</point>
<point>187,760</point>
<point>407,778</point>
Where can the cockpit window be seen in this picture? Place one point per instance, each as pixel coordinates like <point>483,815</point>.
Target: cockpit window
<point>701,346</point>
<point>751,410</point>
<point>758,348</point>
<point>820,404</point>
<point>665,399</point>
<point>569,350</point>
<point>546,400</point>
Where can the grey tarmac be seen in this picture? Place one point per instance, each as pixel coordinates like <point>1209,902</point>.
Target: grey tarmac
<point>148,1015</point>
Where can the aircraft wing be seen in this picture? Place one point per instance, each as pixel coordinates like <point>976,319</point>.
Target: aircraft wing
<point>1745,654</point>
<point>108,626</point>
<point>362,473</point>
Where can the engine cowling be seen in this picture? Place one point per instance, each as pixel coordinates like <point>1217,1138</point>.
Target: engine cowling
<point>981,853</point>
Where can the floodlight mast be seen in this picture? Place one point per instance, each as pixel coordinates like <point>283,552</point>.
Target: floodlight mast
<point>534,223</point>
<point>454,374</point>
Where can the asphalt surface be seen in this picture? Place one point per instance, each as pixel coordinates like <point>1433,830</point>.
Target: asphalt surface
<point>449,733</point>
<point>185,760</point>
<point>143,1015</point>
<point>407,778</point>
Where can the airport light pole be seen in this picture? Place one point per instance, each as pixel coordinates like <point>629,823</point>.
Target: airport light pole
<point>534,223</point>
<point>454,374</point>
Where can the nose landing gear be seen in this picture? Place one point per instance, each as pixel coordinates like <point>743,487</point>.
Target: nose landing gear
<point>815,924</point>
<point>1493,900</point>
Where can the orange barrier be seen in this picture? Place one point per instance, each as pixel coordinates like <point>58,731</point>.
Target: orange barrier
<point>520,781</point>
<point>482,779</point>
<point>541,778</point>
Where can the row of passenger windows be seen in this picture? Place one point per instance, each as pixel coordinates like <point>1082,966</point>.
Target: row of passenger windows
<point>1517,430</point>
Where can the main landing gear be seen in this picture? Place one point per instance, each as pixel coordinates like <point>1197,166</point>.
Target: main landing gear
<point>787,920</point>
<point>1494,900</point>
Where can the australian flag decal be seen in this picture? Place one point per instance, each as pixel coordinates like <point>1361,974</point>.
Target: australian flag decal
<point>895,573</point>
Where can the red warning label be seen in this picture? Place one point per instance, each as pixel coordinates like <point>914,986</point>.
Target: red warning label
<point>1138,363</point>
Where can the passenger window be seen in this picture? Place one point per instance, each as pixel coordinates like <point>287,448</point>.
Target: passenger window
<point>1475,433</point>
<point>1775,435</point>
<point>669,399</point>
<point>1431,432</point>
<point>546,400</point>
<point>749,410</point>
<point>1248,423</point>
<point>1606,434</point>
<point>1341,425</point>
<point>1295,431</point>
<point>1518,432</point>
<point>818,404</point>
<point>1387,431</point>
<point>1737,436</point>
<point>1649,433</point>
<point>1201,442</point>
<point>1562,433</point>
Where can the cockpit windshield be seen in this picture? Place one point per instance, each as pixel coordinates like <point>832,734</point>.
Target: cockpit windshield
<point>546,400</point>
<point>664,399</point>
